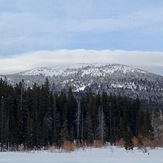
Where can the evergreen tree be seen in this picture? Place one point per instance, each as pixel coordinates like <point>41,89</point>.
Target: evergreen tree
<point>64,132</point>
<point>3,125</point>
<point>71,114</point>
<point>102,125</point>
<point>36,117</point>
<point>128,139</point>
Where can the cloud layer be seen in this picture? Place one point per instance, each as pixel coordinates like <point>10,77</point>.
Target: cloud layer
<point>37,29</point>
<point>49,58</point>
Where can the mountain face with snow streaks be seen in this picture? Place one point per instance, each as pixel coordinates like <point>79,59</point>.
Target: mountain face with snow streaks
<point>111,78</point>
<point>93,69</point>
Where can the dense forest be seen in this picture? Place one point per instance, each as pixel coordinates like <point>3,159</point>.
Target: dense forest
<point>37,117</point>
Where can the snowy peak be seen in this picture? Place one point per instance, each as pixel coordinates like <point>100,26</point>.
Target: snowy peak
<point>83,69</point>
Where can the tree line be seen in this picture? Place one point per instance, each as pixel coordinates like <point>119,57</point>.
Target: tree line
<point>37,117</point>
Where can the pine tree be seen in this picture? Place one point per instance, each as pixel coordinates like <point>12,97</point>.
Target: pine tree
<point>2,124</point>
<point>128,139</point>
<point>83,108</point>
<point>78,121</point>
<point>64,132</point>
<point>71,106</point>
<point>45,111</point>
<point>148,129</point>
<point>102,125</point>
<point>134,115</point>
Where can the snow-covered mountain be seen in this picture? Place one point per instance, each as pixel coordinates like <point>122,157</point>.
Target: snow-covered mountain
<point>92,69</point>
<point>112,78</point>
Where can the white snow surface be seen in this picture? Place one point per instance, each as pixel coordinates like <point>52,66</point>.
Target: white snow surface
<point>94,69</point>
<point>124,85</point>
<point>89,155</point>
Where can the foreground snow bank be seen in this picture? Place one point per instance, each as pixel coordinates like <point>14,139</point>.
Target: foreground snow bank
<point>89,155</point>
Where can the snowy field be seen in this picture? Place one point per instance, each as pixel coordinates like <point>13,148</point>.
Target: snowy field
<point>103,155</point>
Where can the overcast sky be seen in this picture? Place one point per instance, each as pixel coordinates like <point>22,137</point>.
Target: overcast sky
<point>34,33</point>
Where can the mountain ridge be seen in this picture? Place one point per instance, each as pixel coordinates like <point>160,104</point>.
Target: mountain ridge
<point>111,78</point>
<point>59,69</point>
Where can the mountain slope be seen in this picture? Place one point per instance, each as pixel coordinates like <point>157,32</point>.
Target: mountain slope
<point>93,69</point>
<point>112,78</point>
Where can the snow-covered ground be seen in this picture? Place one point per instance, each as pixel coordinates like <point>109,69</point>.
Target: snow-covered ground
<point>95,155</point>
